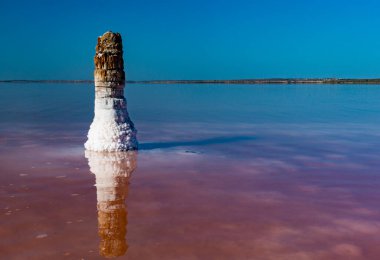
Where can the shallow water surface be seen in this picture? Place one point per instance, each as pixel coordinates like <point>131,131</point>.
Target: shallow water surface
<point>223,172</point>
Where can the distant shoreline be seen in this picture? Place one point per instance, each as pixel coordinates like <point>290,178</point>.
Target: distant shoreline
<point>232,81</point>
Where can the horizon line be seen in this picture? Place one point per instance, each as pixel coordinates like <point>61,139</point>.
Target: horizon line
<point>217,81</point>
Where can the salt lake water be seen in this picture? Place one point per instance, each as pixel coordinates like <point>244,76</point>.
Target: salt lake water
<point>223,172</point>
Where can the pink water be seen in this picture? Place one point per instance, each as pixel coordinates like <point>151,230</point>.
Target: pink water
<point>279,185</point>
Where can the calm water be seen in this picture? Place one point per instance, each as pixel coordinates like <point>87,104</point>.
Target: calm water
<point>224,172</point>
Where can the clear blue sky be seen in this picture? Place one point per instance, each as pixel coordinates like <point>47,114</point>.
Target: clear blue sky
<point>196,39</point>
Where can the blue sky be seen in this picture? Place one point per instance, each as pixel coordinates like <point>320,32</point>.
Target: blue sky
<point>193,39</point>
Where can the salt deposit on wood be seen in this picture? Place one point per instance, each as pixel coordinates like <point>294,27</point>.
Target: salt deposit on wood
<point>112,129</point>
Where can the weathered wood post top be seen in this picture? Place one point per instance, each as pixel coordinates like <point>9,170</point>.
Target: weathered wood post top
<point>109,63</point>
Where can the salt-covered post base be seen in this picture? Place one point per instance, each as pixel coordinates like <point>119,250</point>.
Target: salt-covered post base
<point>112,129</point>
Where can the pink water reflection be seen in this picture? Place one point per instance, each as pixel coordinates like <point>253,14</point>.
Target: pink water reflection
<point>277,195</point>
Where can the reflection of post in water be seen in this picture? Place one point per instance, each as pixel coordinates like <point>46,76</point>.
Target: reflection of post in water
<point>112,172</point>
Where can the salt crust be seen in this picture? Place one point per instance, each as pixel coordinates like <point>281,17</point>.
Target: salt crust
<point>112,129</point>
